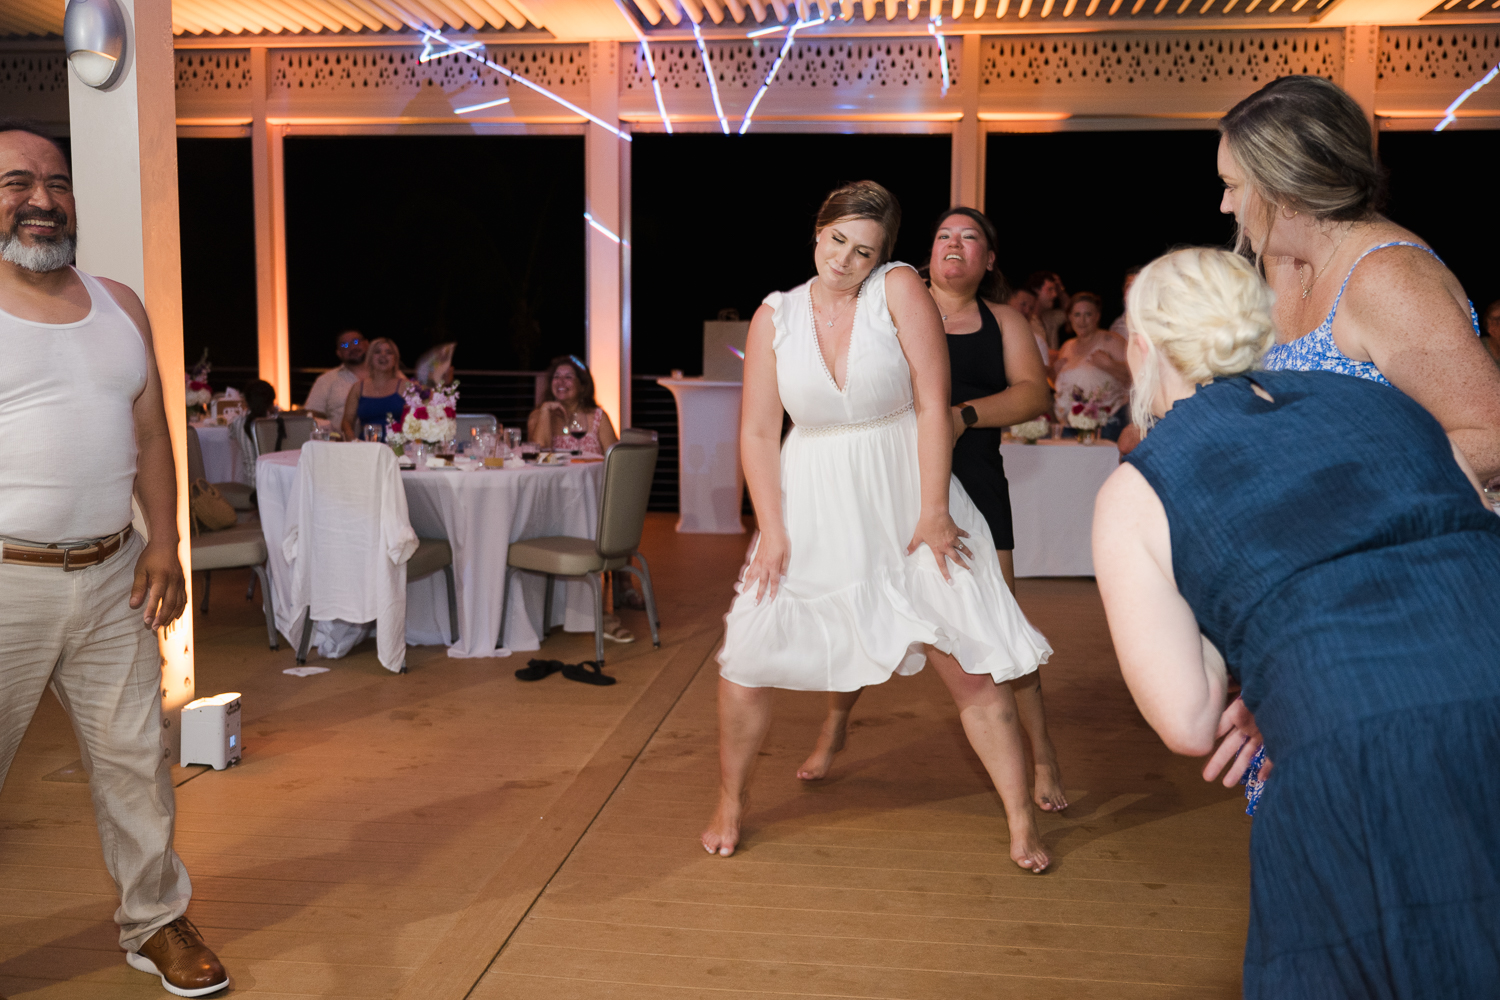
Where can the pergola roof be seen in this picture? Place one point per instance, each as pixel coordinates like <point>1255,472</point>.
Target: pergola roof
<point>606,19</point>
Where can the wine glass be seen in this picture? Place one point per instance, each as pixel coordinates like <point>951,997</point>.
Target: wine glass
<point>577,430</point>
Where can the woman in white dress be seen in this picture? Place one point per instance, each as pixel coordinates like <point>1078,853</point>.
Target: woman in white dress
<point>871,560</point>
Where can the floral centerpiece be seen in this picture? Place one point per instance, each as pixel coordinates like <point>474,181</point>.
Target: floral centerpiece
<point>1087,412</point>
<point>198,394</point>
<point>432,419</point>
<point>1032,430</point>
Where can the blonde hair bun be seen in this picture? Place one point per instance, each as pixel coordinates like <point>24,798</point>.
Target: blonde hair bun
<point>1205,311</point>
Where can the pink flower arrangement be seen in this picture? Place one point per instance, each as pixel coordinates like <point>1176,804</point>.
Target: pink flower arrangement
<point>1088,411</point>
<point>433,419</point>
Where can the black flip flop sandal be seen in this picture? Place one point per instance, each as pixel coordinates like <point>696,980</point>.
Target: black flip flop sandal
<point>537,669</point>
<point>587,672</point>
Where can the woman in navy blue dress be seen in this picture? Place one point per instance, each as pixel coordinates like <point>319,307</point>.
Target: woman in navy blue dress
<point>1324,534</point>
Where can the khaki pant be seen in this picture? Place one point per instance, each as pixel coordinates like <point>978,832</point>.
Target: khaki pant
<point>77,632</point>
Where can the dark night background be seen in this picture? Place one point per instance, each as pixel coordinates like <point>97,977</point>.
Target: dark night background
<point>480,239</point>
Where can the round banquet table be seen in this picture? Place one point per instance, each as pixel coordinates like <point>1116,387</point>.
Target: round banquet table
<point>1052,490</point>
<point>480,513</point>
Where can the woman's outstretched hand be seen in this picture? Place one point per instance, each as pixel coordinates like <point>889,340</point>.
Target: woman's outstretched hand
<point>763,575</point>
<point>938,532</point>
<point>1239,738</point>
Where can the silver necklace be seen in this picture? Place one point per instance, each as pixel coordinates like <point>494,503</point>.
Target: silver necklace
<point>840,314</point>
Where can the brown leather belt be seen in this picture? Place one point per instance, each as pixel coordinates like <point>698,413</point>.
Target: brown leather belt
<point>70,558</point>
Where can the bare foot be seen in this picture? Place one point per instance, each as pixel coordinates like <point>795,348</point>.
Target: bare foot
<point>723,833</point>
<point>1026,848</point>
<point>830,741</point>
<point>1049,795</point>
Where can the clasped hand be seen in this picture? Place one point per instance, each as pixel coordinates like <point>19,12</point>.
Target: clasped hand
<point>937,531</point>
<point>1239,738</point>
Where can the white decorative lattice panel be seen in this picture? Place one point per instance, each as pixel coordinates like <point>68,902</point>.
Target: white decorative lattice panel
<point>819,77</point>
<point>1424,69</point>
<point>1147,72</point>
<point>34,85</point>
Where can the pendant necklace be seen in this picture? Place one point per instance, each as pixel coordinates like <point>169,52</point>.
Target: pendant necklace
<point>1307,286</point>
<point>836,318</point>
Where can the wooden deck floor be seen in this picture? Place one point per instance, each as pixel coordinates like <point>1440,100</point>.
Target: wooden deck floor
<point>456,833</point>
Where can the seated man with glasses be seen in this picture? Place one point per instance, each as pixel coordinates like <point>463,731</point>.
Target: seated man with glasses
<point>331,390</point>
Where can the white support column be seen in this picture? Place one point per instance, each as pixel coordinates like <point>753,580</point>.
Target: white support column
<point>968,135</point>
<point>269,180</point>
<point>125,179</point>
<point>1361,69</point>
<point>608,360</point>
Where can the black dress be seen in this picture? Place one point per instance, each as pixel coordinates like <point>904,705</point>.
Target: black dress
<point>978,363</point>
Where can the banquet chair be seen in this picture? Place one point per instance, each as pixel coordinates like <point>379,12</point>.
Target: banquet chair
<point>638,435</point>
<point>352,548</point>
<point>240,547</point>
<point>283,432</point>
<point>628,469</point>
<point>486,423</point>
<point>238,494</point>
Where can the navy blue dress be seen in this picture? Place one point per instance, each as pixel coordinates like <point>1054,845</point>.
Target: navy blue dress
<point>1331,548</point>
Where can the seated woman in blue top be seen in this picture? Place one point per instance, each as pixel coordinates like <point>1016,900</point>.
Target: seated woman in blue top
<point>1325,534</point>
<point>377,397</point>
<point>1355,293</point>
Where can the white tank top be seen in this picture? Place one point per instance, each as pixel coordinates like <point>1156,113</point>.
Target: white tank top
<point>67,427</point>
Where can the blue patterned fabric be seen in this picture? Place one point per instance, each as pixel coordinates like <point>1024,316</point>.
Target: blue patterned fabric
<point>1317,351</point>
<point>1331,548</point>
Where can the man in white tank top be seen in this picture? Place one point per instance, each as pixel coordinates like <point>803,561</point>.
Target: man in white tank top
<point>81,595</point>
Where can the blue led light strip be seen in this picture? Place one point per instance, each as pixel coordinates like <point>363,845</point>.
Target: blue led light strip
<point>640,35</point>
<point>480,107</point>
<point>474,51</point>
<point>786,46</point>
<point>1448,117</point>
<point>932,29</point>
<point>604,229</point>
<point>708,70</point>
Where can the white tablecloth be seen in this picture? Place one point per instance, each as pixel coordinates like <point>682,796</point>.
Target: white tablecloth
<point>480,513</point>
<point>1052,489</point>
<point>221,456</point>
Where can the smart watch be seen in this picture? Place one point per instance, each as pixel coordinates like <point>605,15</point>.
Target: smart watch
<point>970,415</point>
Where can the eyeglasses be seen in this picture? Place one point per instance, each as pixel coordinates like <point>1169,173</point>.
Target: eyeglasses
<point>346,344</point>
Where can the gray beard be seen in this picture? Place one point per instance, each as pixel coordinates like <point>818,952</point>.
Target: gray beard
<point>58,252</point>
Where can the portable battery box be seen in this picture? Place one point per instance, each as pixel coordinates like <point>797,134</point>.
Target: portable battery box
<point>211,731</point>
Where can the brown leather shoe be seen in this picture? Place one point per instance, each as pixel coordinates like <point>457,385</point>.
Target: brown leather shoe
<point>178,955</point>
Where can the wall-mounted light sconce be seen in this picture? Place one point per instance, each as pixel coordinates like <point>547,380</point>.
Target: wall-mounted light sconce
<point>94,36</point>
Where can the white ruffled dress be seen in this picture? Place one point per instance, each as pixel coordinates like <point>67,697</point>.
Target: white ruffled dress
<point>853,607</point>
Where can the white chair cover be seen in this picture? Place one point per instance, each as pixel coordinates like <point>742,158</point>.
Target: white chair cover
<point>348,539</point>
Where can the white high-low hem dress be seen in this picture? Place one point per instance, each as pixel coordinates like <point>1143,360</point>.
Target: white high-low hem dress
<point>853,607</point>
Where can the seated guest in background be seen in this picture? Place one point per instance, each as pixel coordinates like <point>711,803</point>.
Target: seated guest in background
<point>1093,362</point>
<point>260,401</point>
<point>376,397</point>
<point>1121,326</point>
<point>1348,585</point>
<point>1048,318</point>
<point>568,402</point>
<point>326,400</point>
<point>1023,301</point>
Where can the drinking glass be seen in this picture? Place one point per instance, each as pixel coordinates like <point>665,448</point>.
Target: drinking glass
<point>372,432</point>
<point>484,446</point>
<point>320,434</point>
<point>418,452</point>
<point>513,437</point>
<point>577,430</point>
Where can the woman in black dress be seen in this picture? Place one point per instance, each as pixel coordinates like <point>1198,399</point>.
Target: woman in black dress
<point>998,379</point>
